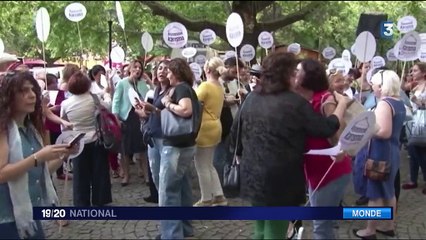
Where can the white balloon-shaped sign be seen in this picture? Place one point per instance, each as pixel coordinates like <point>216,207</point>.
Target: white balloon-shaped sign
<point>329,52</point>
<point>408,47</point>
<point>407,24</point>
<point>229,54</point>
<point>207,37</point>
<point>365,47</point>
<point>75,12</point>
<point>234,29</point>
<point>42,24</point>
<point>120,15</point>
<point>175,35</point>
<point>390,55</point>
<point>189,52</point>
<point>117,55</point>
<point>1,47</point>
<point>265,39</point>
<point>200,60</point>
<point>147,42</point>
<point>294,48</point>
<point>378,62</point>
<point>196,70</point>
<point>66,137</point>
<point>340,65</point>
<point>369,75</point>
<point>422,52</point>
<point>247,52</point>
<point>346,55</point>
<point>422,55</point>
<point>353,49</point>
<point>423,39</point>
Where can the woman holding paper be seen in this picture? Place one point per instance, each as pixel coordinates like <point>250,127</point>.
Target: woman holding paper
<point>326,187</point>
<point>384,146</point>
<point>100,85</point>
<point>274,123</point>
<point>125,112</point>
<point>25,164</point>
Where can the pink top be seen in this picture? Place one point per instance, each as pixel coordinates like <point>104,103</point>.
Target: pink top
<point>317,166</point>
<point>53,127</point>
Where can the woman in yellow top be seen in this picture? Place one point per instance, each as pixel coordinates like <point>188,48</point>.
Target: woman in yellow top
<point>212,96</point>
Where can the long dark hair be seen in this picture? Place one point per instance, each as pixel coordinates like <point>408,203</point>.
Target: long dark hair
<point>10,85</point>
<point>181,70</point>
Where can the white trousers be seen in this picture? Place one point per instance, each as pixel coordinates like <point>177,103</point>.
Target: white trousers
<point>207,175</point>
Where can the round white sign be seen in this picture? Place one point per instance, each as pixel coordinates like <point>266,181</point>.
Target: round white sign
<point>234,29</point>
<point>66,138</point>
<point>407,24</point>
<point>120,16</point>
<point>339,64</point>
<point>378,62</point>
<point>207,37</point>
<point>294,48</point>
<point>200,60</point>
<point>247,52</point>
<point>265,39</point>
<point>408,47</point>
<point>346,55</point>
<point>189,52</point>
<point>422,55</point>
<point>328,52</point>
<point>390,55</point>
<point>75,12</point>
<point>175,35</point>
<point>365,47</point>
<point>229,54</point>
<point>1,47</point>
<point>117,55</point>
<point>147,42</point>
<point>42,24</point>
<point>423,39</point>
<point>196,70</point>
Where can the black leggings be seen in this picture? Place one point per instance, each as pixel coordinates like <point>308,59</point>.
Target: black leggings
<point>397,185</point>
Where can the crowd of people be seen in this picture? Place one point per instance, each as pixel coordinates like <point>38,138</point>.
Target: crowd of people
<point>267,116</point>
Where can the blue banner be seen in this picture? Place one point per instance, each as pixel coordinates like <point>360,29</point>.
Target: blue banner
<point>211,213</point>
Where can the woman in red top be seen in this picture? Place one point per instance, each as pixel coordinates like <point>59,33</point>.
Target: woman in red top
<point>325,188</point>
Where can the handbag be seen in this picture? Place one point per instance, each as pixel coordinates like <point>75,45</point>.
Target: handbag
<point>175,127</point>
<point>376,170</point>
<point>416,129</point>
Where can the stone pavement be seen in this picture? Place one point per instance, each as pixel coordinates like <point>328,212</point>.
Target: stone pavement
<point>411,216</point>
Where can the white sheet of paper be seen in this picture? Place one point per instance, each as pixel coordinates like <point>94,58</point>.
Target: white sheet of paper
<point>52,97</point>
<point>132,96</point>
<point>326,152</point>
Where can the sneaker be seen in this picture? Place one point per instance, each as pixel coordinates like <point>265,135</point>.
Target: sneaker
<point>203,203</point>
<point>220,201</point>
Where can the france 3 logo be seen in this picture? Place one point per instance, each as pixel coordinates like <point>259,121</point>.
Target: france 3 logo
<point>386,29</point>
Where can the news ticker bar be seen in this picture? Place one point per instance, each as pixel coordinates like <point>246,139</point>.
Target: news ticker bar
<point>213,213</point>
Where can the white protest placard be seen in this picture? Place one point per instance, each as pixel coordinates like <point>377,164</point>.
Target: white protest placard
<point>189,52</point>
<point>147,42</point>
<point>234,29</point>
<point>369,75</point>
<point>133,97</point>
<point>66,137</point>
<point>408,47</point>
<point>422,55</point>
<point>120,16</point>
<point>117,55</point>
<point>229,54</point>
<point>247,52</point>
<point>265,39</point>
<point>378,62</point>
<point>42,24</point>
<point>294,48</point>
<point>346,55</point>
<point>423,39</point>
<point>390,55</point>
<point>1,47</point>
<point>422,52</point>
<point>365,47</point>
<point>207,37</point>
<point>329,53</point>
<point>52,97</point>
<point>353,49</point>
<point>200,60</point>
<point>175,35</point>
<point>407,24</point>
<point>75,12</point>
<point>196,70</point>
<point>340,65</point>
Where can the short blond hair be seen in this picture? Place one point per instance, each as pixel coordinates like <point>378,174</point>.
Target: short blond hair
<point>389,82</point>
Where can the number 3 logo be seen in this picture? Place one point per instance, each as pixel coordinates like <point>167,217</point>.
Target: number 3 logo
<point>387,29</point>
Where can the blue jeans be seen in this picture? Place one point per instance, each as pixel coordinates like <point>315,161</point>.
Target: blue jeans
<point>9,231</point>
<point>175,188</point>
<point>154,156</point>
<point>329,195</point>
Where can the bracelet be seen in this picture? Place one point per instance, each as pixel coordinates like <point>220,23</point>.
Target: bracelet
<point>35,160</point>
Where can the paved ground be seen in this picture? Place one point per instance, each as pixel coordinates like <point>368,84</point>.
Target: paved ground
<point>411,217</point>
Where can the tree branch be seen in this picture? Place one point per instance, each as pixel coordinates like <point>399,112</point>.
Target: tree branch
<point>261,5</point>
<point>228,7</point>
<point>290,19</point>
<point>196,26</point>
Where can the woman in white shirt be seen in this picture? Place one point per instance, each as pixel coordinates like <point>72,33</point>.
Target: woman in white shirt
<point>91,180</point>
<point>100,85</point>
